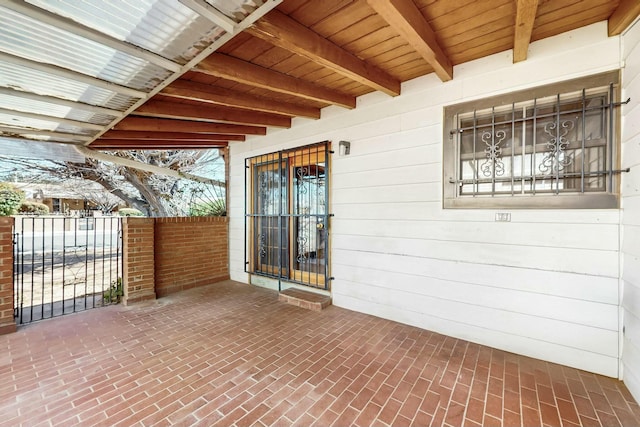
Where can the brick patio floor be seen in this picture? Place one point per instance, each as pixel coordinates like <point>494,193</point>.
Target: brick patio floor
<point>231,354</point>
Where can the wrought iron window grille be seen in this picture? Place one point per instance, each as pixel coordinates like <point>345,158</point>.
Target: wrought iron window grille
<point>559,145</point>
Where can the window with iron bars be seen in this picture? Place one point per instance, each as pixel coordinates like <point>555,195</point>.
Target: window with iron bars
<point>549,147</point>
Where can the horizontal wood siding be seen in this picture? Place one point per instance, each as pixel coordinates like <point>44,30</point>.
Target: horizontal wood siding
<point>545,284</point>
<point>631,206</point>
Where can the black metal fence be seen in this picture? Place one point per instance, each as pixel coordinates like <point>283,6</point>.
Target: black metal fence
<point>64,265</point>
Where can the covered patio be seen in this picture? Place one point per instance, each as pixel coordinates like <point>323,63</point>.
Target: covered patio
<point>232,354</point>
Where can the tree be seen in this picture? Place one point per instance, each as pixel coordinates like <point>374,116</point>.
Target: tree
<point>10,199</point>
<point>153,194</point>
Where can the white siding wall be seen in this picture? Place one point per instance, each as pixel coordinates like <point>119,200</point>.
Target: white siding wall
<point>545,284</point>
<point>631,209</point>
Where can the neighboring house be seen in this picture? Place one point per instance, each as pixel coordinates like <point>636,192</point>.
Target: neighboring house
<point>65,198</point>
<point>504,226</point>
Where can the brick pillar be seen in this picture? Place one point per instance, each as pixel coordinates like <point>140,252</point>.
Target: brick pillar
<point>7,321</point>
<point>138,276</point>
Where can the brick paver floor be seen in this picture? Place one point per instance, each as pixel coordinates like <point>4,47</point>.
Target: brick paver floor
<point>231,354</point>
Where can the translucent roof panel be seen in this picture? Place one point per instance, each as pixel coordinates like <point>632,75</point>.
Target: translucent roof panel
<point>36,40</point>
<point>40,150</point>
<point>34,81</point>
<point>46,108</point>
<point>165,27</point>
<point>105,53</point>
<point>44,124</point>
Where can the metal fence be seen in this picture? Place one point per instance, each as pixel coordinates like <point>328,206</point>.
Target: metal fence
<point>64,265</point>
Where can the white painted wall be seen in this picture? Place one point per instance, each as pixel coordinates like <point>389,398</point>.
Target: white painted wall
<point>544,285</point>
<point>631,209</point>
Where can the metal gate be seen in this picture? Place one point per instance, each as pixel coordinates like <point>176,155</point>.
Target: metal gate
<point>287,215</point>
<point>64,265</point>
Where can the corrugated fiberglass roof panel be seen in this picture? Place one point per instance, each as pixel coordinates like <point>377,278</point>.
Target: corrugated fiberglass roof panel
<point>38,41</point>
<point>42,124</point>
<point>29,80</point>
<point>165,27</point>
<point>40,150</point>
<point>39,107</point>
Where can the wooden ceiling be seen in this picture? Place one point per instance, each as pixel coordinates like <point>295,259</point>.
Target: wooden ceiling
<point>309,54</point>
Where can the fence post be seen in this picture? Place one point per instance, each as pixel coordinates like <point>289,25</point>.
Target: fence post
<point>7,321</point>
<point>138,275</point>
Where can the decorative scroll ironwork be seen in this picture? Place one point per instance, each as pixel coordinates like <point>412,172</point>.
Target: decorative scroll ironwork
<point>264,184</point>
<point>262,245</point>
<point>493,166</point>
<point>302,249</point>
<point>556,159</point>
<point>301,172</point>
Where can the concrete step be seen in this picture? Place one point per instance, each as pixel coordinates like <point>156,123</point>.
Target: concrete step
<point>305,299</point>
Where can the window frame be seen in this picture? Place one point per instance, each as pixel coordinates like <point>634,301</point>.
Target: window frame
<point>608,199</point>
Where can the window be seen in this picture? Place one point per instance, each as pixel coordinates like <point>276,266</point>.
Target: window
<point>548,147</point>
<point>287,215</point>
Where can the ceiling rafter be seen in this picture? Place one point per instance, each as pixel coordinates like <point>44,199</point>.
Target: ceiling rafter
<point>155,144</point>
<point>210,112</point>
<point>77,28</point>
<point>230,68</point>
<point>60,101</point>
<point>182,136</point>
<point>7,130</point>
<point>624,15</point>
<point>405,18</point>
<point>71,75</point>
<point>171,125</point>
<point>195,91</point>
<point>525,18</point>
<point>283,31</point>
<point>211,13</point>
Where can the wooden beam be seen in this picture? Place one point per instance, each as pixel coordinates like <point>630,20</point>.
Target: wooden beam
<point>210,112</point>
<point>169,125</point>
<point>93,154</point>
<point>211,13</point>
<point>9,131</point>
<point>525,17</point>
<point>130,144</point>
<point>60,101</point>
<point>230,68</point>
<point>405,18</point>
<point>52,119</point>
<point>171,136</point>
<point>624,15</point>
<point>185,89</point>
<point>282,31</point>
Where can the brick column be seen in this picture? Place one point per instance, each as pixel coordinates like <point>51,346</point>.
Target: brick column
<point>138,276</point>
<point>7,321</point>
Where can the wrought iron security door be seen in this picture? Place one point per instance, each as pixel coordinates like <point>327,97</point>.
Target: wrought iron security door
<point>287,218</point>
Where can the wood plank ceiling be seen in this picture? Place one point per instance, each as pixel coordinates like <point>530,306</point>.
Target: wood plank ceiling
<point>309,54</point>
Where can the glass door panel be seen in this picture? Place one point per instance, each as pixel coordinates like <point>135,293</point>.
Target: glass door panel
<point>309,230</point>
<point>270,228</point>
